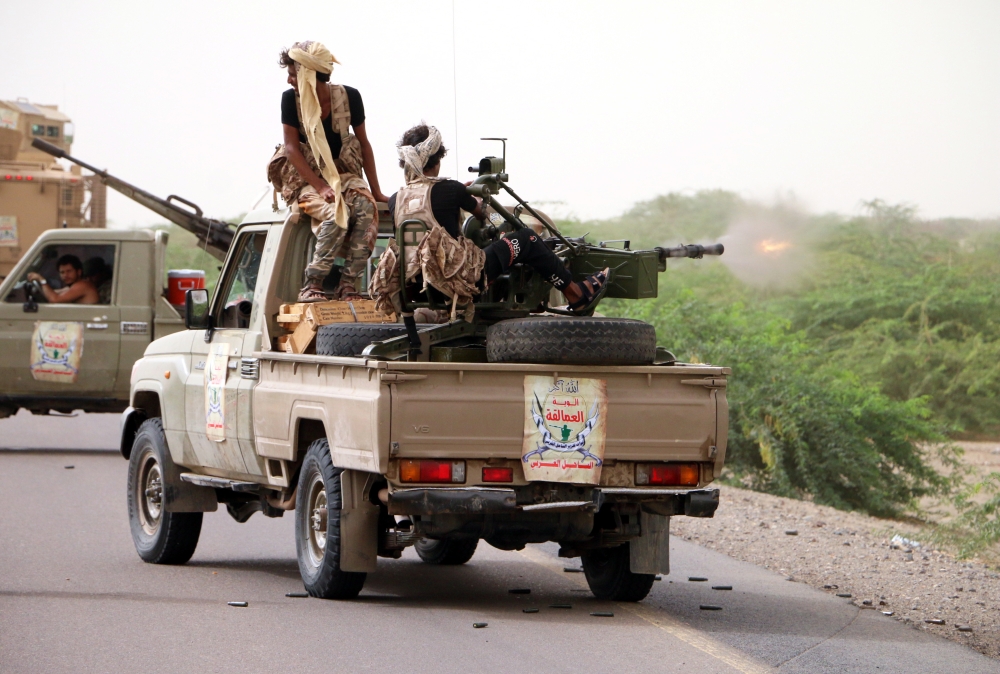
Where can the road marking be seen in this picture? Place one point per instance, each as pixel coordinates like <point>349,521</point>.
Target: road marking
<point>668,624</point>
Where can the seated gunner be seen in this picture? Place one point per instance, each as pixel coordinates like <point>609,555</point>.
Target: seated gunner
<point>437,202</point>
<point>76,289</point>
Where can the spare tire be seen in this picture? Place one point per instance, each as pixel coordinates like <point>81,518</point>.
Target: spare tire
<point>571,341</point>
<point>350,339</point>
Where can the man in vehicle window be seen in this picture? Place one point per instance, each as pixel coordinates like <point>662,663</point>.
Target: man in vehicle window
<point>76,289</point>
<point>437,201</point>
<point>320,167</point>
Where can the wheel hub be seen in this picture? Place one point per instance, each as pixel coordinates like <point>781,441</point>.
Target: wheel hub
<point>316,523</point>
<point>319,519</point>
<point>149,496</point>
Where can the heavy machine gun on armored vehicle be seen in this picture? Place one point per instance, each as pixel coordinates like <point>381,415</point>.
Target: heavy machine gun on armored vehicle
<point>521,292</point>
<point>215,236</point>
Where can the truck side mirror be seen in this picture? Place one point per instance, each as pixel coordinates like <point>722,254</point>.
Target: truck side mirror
<point>196,316</point>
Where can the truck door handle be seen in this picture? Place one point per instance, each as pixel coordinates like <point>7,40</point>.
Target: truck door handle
<point>97,326</point>
<point>710,382</point>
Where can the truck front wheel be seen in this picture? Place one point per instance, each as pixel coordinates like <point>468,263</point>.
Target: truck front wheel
<point>160,537</point>
<point>609,577</point>
<point>317,528</point>
<point>446,553</point>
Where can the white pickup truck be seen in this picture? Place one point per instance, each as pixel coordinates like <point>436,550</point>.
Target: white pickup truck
<point>429,441</point>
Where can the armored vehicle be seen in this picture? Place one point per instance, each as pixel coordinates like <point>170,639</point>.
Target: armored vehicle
<point>37,193</point>
<point>521,425</point>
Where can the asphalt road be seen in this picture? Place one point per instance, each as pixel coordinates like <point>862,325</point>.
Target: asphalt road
<point>74,597</point>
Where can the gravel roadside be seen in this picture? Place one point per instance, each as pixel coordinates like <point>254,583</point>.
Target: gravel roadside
<point>853,554</point>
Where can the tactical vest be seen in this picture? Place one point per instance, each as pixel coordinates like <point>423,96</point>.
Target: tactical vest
<point>350,164</point>
<point>350,159</point>
<point>413,202</point>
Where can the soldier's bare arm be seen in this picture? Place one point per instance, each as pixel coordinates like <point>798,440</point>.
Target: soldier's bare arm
<point>298,160</point>
<point>81,292</point>
<point>368,160</point>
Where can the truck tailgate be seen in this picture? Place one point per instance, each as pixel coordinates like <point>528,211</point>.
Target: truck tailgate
<point>478,410</point>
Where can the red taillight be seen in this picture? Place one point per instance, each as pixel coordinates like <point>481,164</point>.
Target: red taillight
<point>667,474</point>
<point>18,178</point>
<point>493,474</point>
<point>7,177</point>
<point>30,178</point>
<point>426,470</point>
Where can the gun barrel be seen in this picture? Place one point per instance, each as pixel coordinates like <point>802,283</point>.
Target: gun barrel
<point>693,250</point>
<point>216,236</point>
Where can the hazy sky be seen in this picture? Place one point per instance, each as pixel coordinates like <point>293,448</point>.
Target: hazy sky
<point>605,104</point>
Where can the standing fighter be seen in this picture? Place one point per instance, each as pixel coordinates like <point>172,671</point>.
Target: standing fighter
<point>320,166</point>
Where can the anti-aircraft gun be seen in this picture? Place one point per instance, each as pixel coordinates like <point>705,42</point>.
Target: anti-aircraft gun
<point>521,292</point>
<point>215,236</point>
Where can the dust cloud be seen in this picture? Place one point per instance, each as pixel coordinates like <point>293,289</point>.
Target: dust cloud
<point>768,246</point>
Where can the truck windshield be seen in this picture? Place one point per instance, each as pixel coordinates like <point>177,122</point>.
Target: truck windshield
<point>240,281</point>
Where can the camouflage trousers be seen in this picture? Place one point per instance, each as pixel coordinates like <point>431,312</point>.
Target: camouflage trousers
<point>333,241</point>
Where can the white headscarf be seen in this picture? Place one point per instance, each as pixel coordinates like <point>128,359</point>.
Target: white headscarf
<point>313,57</point>
<point>415,157</point>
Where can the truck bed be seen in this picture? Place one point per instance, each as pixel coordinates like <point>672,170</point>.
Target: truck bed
<point>377,411</point>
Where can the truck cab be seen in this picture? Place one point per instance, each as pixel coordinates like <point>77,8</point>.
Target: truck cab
<point>67,356</point>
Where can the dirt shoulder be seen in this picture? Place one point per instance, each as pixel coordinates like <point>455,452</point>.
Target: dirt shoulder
<point>851,553</point>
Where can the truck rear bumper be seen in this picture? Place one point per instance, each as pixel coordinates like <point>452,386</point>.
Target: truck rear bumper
<point>495,501</point>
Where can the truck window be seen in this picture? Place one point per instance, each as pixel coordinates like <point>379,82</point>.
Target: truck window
<point>241,279</point>
<point>52,131</point>
<point>96,267</point>
<point>37,129</point>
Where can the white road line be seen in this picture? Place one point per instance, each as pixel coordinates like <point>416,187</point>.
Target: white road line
<point>668,624</point>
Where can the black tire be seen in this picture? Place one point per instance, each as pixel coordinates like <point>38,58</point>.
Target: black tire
<point>160,537</point>
<point>609,577</point>
<point>318,551</point>
<point>571,341</point>
<point>350,339</point>
<point>446,553</point>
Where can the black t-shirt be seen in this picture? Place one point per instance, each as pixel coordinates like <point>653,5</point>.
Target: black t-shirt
<point>290,116</point>
<point>447,197</point>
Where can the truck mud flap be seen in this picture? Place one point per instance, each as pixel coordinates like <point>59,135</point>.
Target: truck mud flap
<point>452,501</point>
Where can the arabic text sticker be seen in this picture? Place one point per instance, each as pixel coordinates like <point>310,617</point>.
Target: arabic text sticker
<point>564,429</point>
<point>56,350</point>
<point>216,368</point>
<point>8,230</point>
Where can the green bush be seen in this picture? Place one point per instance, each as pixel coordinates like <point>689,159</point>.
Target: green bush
<point>978,524</point>
<point>796,431</point>
<point>883,342</point>
<point>911,310</point>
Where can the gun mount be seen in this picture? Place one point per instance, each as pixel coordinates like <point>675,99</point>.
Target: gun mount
<point>521,291</point>
<point>214,235</point>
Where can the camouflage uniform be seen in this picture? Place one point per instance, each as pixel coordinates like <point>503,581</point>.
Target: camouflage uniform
<point>453,266</point>
<point>355,243</point>
<point>332,241</point>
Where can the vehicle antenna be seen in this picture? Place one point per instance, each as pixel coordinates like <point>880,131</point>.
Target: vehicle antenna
<point>454,82</point>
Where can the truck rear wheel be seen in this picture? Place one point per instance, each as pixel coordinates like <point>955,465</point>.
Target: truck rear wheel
<point>571,341</point>
<point>160,537</point>
<point>317,528</point>
<point>446,553</point>
<point>609,577</point>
